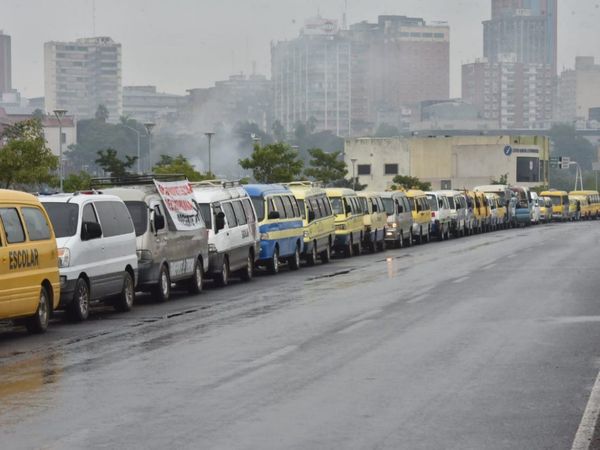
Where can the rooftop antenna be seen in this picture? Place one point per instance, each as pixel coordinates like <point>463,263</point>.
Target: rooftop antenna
<point>94,18</point>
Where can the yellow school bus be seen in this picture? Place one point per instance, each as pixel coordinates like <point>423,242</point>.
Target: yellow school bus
<point>560,204</point>
<point>590,203</point>
<point>375,220</point>
<point>349,227</point>
<point>29,278</point>
<point>421,212</point>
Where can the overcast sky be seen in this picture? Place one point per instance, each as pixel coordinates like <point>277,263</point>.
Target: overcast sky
<point>181,44</point>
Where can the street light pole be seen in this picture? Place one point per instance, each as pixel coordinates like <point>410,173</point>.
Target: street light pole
<point>209,135</point>
<point>60,114</point>
<point>138,146</point>
<point>353,160</point>
<point>149,126</point>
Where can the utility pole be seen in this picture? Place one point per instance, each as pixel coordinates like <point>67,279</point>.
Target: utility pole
<point>209,135</point>
<point>353,160</point>
<point>60,114</point>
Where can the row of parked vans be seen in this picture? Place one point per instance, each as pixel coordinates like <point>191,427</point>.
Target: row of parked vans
<point>69,251</point>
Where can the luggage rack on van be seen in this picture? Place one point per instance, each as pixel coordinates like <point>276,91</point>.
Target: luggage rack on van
<point>133,180</point>
<point>216,183</point>
<point>305,183</point>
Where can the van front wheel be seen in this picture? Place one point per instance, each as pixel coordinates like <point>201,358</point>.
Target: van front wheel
<point>38,323</point>
<point>162,291</point>
<point>124,302</point>
<point>311,258</point>
<point>294,261</point>
<point>196,283</point>
<point>247,273</point>
<point>79,309</point>
<point>326,255</point>
<point>273,264</point>
<point>222,278</point>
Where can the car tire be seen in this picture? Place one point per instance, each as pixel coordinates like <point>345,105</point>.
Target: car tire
<point>196,283</point>
<point>421,237</point>
<point>124,302</point>
<point>247,273</point>
<point>38,323</point>
<point>325,255</point>
<point>349,249</point>
<point>162,291</point>
<point>409,242</point>
<point>273,264</point>
<point>79,308</point>
<point>311,258</point>
<point>222,277</point>
<point>400,241</point>
<point>294,261</point>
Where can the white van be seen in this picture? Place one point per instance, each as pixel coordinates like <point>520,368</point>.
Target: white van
<point>96,251</point>
<point>166,255</point>
<point>399,230</point>
<point>233,237</point>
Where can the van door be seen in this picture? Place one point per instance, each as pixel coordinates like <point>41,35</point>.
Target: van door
<point>5,282</point>
<point>241,236</point>
<point>91,258</point>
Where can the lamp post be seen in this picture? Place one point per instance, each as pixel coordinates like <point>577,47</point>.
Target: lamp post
<point>138,146</point>
<point>209,135</point>
<point>149,126</point>
<point>353,160</point>
<point>60,114</point>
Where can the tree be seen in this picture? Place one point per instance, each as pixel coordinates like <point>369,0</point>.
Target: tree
<point>408,182</point>
<point>110,162</point>
<point>102,113</point>
<point>326,167</point>
<point>25,158</point>
<point>503,180</point>
<point>38,114</point>
<point>349,183</point>
<point>273,163</point>
<point>77,182</point>
<point>180,165</point>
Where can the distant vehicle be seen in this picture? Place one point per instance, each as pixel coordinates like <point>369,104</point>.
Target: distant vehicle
<point>440,215</point>
<point>545,209</point>
<point>459,212</point>
<point>503,191</point>
<point>522,205</point>
<point>29,277</point>
<point>560,204</point>
<point>318,220</point>
<point>280,225</point>
<point>374,220</point>
<point>421,212</point>
<point>591,202</point>
<point>96,249</point>
<point>166,254</point>
<point>399,229</point>
<point>349,225</point>
<point>535,208</point>
<point>233,237</point>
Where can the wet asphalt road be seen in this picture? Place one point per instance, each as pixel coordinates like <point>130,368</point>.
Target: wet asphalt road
<point>488,342</point>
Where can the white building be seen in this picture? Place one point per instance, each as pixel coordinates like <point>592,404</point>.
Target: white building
<point>81,75</point>
<point>579,90</point>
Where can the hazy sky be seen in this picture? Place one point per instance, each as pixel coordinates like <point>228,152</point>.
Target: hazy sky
<point>181,44</point>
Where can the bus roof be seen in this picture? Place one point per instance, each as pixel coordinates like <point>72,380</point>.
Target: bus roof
<point>260,190</point>
<point>10,196</point>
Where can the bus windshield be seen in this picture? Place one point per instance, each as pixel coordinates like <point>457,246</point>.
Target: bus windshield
<point>336,205</point>
<point>388,204</point>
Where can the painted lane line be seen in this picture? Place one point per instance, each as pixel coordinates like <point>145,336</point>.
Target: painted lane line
<point>366,315</point>
<point>355,326</point>
<point>460,280</point>
<point>585,432</point>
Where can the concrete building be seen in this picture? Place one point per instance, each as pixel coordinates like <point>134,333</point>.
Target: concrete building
<point>312,78</point>
<point>453,114</point>
<point>579,90</point>
<point>5,63</point>
<point>145,104</point>
<point>81,75</point>
<point>449,162</point>
<point>513,94</point>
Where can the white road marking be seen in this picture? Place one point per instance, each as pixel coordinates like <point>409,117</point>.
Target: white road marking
<point>366,315</point>
<point>585,432</point>
<point>460,280</point>
<point>355,326</point>
<point>417,299</point>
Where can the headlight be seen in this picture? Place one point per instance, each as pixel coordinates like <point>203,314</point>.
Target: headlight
<point>64,257</point>
<point>394,225</point>
<point>212,248</point>
<point>144,255</point>
<point>305,233</point>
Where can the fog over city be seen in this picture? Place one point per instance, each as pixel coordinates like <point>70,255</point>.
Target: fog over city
<point>188,43</point>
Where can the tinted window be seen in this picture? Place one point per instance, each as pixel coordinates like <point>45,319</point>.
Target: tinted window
<point>114,218</point>
<point>295,206</point>
<point>37,226</point>
<point>205,213</point>
<point>451,203</point>
<point>302,208</point>
<point>322,206</point>
<point>287,203</point>
<point>249,211</point>
<point>229,214</point>
<point>12,225</point>
<point>64,218</point>
<point>139,214</point>
<point>411,201</point>
<point>314,205</point>
<point>327,204</point>
<point>259,207</point>
<point>556,201</point>
<point>279,207</point>
<point>240,215</point>
<point>433,202</point>
<point>336,205</point>
<point>388,204</point>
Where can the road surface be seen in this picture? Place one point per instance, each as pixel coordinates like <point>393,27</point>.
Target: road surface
<point>487,342</point>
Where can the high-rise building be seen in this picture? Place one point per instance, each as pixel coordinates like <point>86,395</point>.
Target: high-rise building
<point>5,64</point>
<point>579,90</point>
<point>145,104</point>
<point>311,78</point>
<point>81,75</point>
<point>525,28</point>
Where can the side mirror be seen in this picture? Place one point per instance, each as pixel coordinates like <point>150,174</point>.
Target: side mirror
<point>220,221</point>
<point>311,216</point>
<point>159,222</point>
<point>90,230</point>
<point>274,215</point>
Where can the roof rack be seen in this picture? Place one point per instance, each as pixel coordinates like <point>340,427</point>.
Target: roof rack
<point>216,183</point>
<point>306,183</point>
<point>133,180</point>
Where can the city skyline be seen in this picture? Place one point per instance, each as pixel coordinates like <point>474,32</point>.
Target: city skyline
<point>163,59</point>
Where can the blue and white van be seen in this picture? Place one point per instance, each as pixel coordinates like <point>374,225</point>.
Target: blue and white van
<point>280,225</point>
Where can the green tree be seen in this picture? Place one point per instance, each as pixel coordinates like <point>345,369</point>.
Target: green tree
<point>180,165</point>
<point>77,182</point>
<point>408,182</point>
<point>273,163</point>
<point>349,183</point>
<point>326,167</point>
<point>25,158</point>
<point>102,113</point>
<point>109,161</point>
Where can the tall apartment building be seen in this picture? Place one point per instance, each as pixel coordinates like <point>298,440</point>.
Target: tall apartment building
<point>5,64</point>
<point>513,94</point>
<point>579,90</point>
<point>81,75</point>
<point>311,78</point>
<point>146,104</point>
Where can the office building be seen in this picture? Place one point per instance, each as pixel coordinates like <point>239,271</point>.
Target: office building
<point>81,75</point>
<point>579,91</point>
<point>146,104</point>
<point>5,63</point>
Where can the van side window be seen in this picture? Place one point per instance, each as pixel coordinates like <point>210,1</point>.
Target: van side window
<point>295,206</point>
<point>240,215</point>
<point>229,214</point>
<point>13,228</point>
<point>279,207</point>
<point>287,203</point>
<point>250,217</point>
<point>314,205</point>
<point>322,202</point>
<point>114,218</point>
<point>270,206</point>
<point>36,224</point>
<point>327,204</point>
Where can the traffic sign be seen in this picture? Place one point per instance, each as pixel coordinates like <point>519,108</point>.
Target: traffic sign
<point>565,160</point>
<point>554,159</point>
<point>508,150</point>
